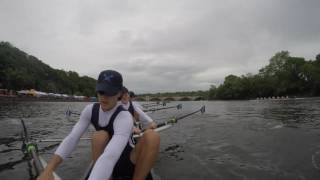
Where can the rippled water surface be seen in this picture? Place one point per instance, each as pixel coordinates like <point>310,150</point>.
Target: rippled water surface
<point>232,140</point>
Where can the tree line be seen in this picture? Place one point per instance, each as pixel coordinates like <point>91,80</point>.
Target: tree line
<point>283,76</point>
<point>202,94</point>
<point>19,70</point>
<point>175,94</point>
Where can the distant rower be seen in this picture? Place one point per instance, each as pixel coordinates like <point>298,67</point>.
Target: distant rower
<point>135,110</point>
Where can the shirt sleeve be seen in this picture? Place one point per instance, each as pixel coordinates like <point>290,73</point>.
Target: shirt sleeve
<point>122,126</point>
<point>71,141</point>
<point>136,104</point>
<point>143,117</point>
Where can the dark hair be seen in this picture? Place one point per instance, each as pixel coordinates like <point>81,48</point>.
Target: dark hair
<point>124,90</point>
<point>132,95</point>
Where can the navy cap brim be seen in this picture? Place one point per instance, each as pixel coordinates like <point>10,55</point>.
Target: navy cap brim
<point>106,89</point>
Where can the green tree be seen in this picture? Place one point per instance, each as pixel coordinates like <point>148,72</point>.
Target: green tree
<point>19,70</point>
<point>318,58</point>
<point>276,64</point>
<point>212,92</point>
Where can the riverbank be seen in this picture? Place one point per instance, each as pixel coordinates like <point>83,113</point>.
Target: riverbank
<point>44,99</point>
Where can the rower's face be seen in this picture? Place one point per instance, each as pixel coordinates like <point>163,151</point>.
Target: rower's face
<point>108,102</point>
<point>125,98</point>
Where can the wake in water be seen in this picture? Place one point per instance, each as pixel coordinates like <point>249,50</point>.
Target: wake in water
<point>316,160</point>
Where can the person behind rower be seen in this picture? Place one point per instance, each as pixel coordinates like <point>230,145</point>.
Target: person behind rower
<point>139,116</point>
<point>133,99</point>
<point>112,151</point>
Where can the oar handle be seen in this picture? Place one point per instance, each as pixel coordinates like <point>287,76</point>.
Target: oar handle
<point>37,163</point>
<point>31,149</point>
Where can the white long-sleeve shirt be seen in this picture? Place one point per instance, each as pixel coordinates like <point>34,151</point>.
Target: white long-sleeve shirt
<point>143,117</point>
<point>122,126</point>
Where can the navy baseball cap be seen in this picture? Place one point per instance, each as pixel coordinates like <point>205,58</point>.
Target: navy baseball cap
<point>109,83</point>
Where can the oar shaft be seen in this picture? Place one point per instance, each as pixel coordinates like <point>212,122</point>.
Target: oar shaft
<point>174,120</point>
<point>59,140</point>
<point>68,113</point>
<point>26,136</point>
<point>162,124</point>
<point>184,116</point>
<point>157,109</point>
<point>30,148</point>
<point>36,162</point>
<point>154,104</point>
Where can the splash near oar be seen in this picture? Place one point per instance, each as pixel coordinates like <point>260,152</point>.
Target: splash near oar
<point>30,148</point>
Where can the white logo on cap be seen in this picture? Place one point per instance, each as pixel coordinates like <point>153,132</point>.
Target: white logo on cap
<point>108,78</point>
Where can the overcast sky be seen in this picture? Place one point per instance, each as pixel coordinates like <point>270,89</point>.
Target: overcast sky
<point>162,45</point>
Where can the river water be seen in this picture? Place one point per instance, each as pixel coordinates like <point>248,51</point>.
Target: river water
<point>267,139</point>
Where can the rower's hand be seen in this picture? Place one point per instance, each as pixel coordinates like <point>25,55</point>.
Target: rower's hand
<point>136,130</point>
<point>46,175</point>
<point>152,125</point>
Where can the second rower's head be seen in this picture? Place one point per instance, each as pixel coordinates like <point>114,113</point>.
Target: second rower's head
<point>109,87</point>
<point>132,95</point>
<point>125,96</point>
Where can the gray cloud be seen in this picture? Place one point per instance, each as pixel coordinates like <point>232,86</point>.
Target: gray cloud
<point>162,45</point>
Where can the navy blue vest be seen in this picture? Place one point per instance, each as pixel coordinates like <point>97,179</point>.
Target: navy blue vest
<point>95,118</point>
<point>109,127</point>
<point>131,108</point>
